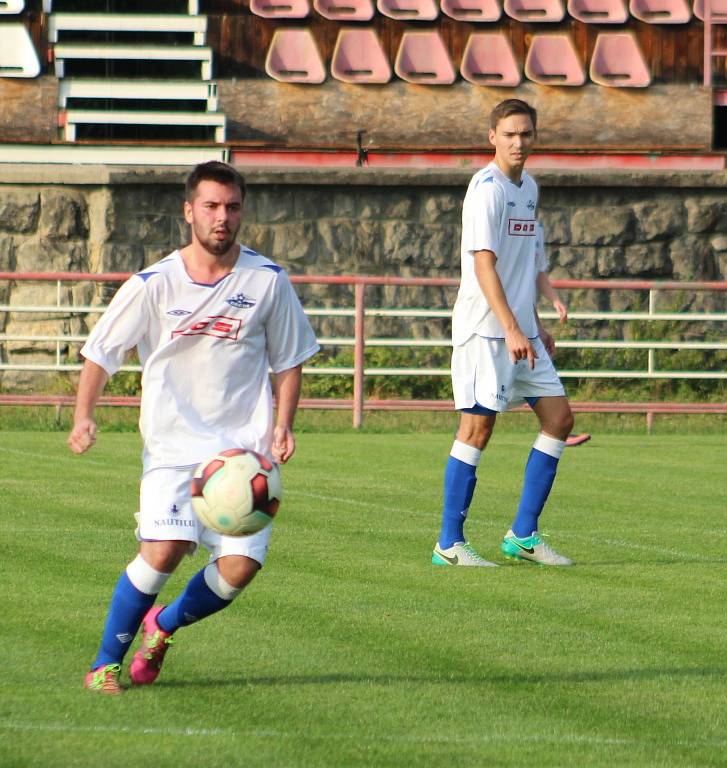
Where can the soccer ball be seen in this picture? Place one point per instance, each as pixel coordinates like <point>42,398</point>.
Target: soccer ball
<point>236,492</point>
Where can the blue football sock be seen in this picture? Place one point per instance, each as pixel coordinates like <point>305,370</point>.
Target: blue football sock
<point>459,486</point>
<point>539,476</point>
<point>127,609</point>
<point>196,602</point>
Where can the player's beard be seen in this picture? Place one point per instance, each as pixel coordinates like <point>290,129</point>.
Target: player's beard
<point>212,244</point>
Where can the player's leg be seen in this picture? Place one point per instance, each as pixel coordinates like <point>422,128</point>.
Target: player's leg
<point>133,595</point>
<point>235,562</point>
<point>522,540</point>
<point>460,477</point>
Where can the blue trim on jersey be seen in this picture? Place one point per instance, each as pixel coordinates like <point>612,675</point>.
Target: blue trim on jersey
<point>485,180</point>
<point>479,410</point>
<point>145,275</point>
<point>211,285</point>
<point>274,267</point>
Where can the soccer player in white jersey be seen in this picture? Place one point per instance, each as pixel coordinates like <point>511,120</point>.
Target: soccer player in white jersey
<point>209,321</point>
<point>498,356</point>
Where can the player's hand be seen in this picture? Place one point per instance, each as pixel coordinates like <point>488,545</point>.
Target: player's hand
<point>83,435</point>
<point>561,309</point>
<point>283,444</point>
<point>520,348</point>
<point>548,342</point>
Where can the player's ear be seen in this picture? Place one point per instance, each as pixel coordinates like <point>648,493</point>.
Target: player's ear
<point>491,136</point>
<point>187,212</point>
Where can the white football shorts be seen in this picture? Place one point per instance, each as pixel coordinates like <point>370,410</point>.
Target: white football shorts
<point>166,514</point>
<point>484,375</point>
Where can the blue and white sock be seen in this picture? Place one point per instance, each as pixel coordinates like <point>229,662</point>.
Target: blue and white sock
<point>206,593</point>
<point>459,486</point>
<point>539,476</point>
<point>133,596</point>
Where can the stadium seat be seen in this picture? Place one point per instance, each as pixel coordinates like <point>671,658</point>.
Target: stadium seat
<point>661,11</point>
<point>598,11</point>
<point>12,6</point>
<point>422,58</point>
<point>535,10</point>
<point>127,22</point>
<point>280,9</point>
<point>71,118</point>
<point>345,10</point>
<point>618,61</point>
<point>409,10</point>
<point>293,57</point>
<point>552,60</point>
<point>718,9</point>
<point>89,89</point>
<point>472,10</point>
<point>127,52</point>
<point>488,59</point>
<point>18,57</point>
<point>359,58</point>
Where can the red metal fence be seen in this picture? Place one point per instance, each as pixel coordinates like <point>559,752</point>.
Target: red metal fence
<point>359,311</point>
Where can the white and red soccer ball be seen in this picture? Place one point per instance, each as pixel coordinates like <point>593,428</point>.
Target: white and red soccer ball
<point>236,492</point>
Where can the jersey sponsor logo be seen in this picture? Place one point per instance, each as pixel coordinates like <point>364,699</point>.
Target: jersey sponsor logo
<point>521,227</point>
<point>241,301</point>
<point>179,312</point>
<point>215,325</point>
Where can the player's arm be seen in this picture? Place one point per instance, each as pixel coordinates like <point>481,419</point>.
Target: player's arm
<point>545,288</point>
<point>517,342</point>
<point>546,338</point>
<point>90,386</point>
<point>287,393</point>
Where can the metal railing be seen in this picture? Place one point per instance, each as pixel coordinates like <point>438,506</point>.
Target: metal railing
<point>357,309</point>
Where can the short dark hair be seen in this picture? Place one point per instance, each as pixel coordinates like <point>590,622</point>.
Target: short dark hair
<point>512,107</point>
<point>213,170</point>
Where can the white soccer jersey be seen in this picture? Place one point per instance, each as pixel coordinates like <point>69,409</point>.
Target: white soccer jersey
<point>205,351</point>
<point>498,216</point>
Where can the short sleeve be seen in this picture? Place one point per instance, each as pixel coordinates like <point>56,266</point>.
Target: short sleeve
<point>289,337</point>
<point>482,216</point>
<point>120,328</point>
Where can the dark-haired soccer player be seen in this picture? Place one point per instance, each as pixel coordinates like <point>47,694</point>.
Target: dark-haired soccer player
<point>208,321</point>
<point>498,356</point>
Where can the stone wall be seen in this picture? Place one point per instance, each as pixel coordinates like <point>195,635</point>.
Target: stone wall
<point>346,221</point>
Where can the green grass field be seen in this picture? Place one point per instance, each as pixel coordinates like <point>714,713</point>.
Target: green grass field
<point>350,649</point>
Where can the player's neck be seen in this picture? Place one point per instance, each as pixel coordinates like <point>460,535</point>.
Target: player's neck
<point>513,172</point>
<point>205,267</point>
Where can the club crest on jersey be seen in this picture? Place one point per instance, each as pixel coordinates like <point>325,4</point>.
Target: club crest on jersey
<point>241,301</point>
<point>531,205</point>
<point>521,227</point>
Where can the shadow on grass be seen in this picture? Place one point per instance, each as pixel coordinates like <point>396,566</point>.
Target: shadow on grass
<point>542,678</point>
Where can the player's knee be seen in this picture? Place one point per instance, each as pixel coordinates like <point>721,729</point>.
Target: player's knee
<point>475,432</point>
<point>237,570</point>
<point>164,556</point>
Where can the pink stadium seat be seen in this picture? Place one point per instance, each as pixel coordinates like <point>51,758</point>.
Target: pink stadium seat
<point>412,10</point>
<point>535,10</point>
<point>617,61</point>
<point>359,58</point>
<point>294,58</point>
<point>717,7</point>
<point>488,59</point>
<point>598,11</point>
<point>472,10</point>
<point>661,11</point>
<point>423,58</point>
<point>345,10</point>
<point>552,60</point>
<point>280,9</point>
